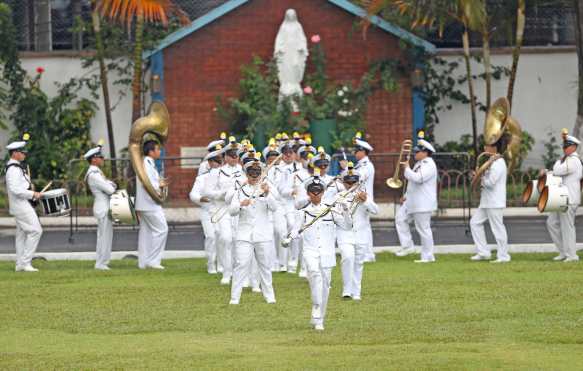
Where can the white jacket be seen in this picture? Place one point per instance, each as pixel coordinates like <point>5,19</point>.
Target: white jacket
<point>421,195</point>
<point>360,231</point>
<point>571,172</point>
<point>143,200</point>
<point>320,239</point>
<point>494,186</point>
<point>196,192</point>
<point>292,179</point>
<point>366,170</point>
<point>101,188</point>
<point>254,220</point>
<point>18,186</point>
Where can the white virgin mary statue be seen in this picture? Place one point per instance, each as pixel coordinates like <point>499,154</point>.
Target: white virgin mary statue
<point>291,51</point>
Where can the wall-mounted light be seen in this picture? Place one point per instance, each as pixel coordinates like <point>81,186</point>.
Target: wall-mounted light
<point>156,84</point>
<point>417,78</point>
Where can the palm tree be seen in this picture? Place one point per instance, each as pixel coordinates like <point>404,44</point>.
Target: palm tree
<point>153,11</point>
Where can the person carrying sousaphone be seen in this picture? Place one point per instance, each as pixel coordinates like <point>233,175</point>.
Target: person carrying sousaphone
<point>561,225</point>
<point>102,189</point>
<point>492,205</point>
<point>20,199</point>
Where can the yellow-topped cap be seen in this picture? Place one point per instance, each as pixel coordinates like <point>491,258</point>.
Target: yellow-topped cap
<point>564,131</point>
<point>284,136</point>
<point>218,147</point>
<point>350,164</point>
<point>278,136</point>
<point>100,142</point>
<point>421,134</point>
<point>317,171</point>
<point>308,141</point>
<point>232,139</point>
<point>25,137</point>
<point>271,141</point>
<point>258,155</point>
<point>321,149</point>
<point>358,135</point>
<point>223,136</point>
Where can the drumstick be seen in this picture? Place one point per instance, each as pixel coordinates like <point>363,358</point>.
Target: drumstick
<point>47,187</point>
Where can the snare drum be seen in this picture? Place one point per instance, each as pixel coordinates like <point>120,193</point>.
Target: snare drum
<point>547,179</point>
<point>554,198</point>
<point>56,202</point>
<point>530,193</point>
<point>121,208</point>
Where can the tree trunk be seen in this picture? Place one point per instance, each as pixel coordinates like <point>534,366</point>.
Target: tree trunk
<point>466,42</point>
<point>487,65</point>
<point>520,21</point>
<point>137,81</point>
<point>105,88</point>
<point>578,5</point>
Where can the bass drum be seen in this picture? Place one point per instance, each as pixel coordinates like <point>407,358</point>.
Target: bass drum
<point>121,208</point>
<point>530,193</point>
<point>547,180</point>
<point>554,198</point>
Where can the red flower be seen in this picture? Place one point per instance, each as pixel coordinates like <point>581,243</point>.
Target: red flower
<point>296,113</point>
<point>315,39</point>
<point>308,90</point>
<point>40,70</point>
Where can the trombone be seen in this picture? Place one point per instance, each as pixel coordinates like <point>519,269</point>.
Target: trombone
<point>394,182</point>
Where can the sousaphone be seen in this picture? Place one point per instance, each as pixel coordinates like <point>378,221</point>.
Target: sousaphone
<point>156,123</point>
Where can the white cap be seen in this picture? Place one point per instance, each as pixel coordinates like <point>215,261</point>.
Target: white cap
<point>363,144</point>
<point>425,145</point>
<point>92,152</point>
<point>256,161</point>
<point>315,179</point>
<point>215,143</point>
<point>320,156</point>
<point>16,145</point>
<point>213,154</point>
<point>572,140</point>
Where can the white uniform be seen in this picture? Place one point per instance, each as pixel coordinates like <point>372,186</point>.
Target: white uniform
<point>319,253</point>
<point>102,189</point>
<point>491,209</point>
<point>278,219</point>
<point>205,219</point>
<point>367,171</point>
<point>420,202</point>
<point>561,226</point>
<point>254,238</point>
<point>292,180</point>
<point>352,243</point>
<point>153,227</point>
<point>28,228</point>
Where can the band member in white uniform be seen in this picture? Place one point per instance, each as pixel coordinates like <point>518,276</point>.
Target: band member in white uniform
<point>491,209</point>
<point>214,161</point>
<point>212,147</point>
<point>319,242</point>
<point>419,202</point>
<point>367,172</point>
<point>352,241</point>
<point>251,204</point>
<point>153,227</point>
<point>271,153</point>
<point>20,196</point>
<point>561,225</point>
<point>102,188</point>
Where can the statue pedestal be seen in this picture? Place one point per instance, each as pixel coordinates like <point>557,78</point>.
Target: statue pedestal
<point>321,131</point>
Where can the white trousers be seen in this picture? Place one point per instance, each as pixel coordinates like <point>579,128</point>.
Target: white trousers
<point>369,255</point>
<point>561,227</point>
<point>225,244</point>
<point>352,265</point>
<point>151,238</point>
<point>496,219</point>
<point>319,279</point>
<point>289,255</point>
<point>244,253</point>
<point>104,241</point>
<point>423,226</point>
<point>28,234</point>
<point>280,232</point>
<point>210,241</point>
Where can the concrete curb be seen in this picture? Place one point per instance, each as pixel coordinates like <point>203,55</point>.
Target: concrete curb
<point>173,254</point>
<point>191,215</point>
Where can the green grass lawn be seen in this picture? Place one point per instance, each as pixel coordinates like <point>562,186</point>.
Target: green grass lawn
<point>454,314</point>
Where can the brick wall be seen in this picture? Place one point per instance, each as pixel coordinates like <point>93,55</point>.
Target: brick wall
<point>207,64</point>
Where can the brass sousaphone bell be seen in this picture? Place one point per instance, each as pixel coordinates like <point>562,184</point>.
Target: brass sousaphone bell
<point>499,124</point>
<point>155,123</point>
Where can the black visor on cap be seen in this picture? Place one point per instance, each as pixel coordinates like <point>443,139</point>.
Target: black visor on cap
<point>272,153</point>
<point>254,171</point>
<point>286,149</point>
<point>316,188</point>
<point>232,153</point>
<point>320,163</point>
<point>568,143</point>
<point>217,159</point>
<point>351,179</point>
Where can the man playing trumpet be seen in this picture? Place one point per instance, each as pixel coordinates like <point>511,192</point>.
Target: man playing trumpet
<point>561,225</point>
<point>419,202</point>
<point>492,204</point>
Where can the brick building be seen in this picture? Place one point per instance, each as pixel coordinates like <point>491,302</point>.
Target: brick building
<point>202,61</point>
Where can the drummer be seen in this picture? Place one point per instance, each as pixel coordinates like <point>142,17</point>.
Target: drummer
<point>21,198</point>
<point>102,189</point>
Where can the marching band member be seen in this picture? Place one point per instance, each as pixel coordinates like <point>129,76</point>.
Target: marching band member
<point>561,225</point>
<point>102,189</point>
<point>212,147</point>
<point>419,202</point>
<point>153,226</point>
<point>491,209</point>
<point>367,171</point>
<point>226,179</point>
<point>20,197</point>
<point>251,204</point>
<point>319,245</point>
<point>352,242</point>
<point>214,160</point>
<point>271,153</point>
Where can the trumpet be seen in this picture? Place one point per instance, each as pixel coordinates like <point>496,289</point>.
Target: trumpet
<point>394,182</point>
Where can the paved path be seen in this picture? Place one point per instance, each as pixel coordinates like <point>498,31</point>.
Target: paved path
<point>185,238</point>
